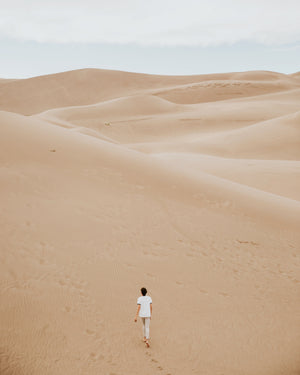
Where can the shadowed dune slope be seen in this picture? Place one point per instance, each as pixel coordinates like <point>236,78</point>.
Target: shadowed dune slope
<point>273,139</point>
<point>116,109</point>
<point>211,91</point>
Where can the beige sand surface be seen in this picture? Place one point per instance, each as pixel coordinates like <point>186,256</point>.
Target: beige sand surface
<point>111,181</point>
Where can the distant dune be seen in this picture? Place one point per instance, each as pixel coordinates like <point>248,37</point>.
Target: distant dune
<point>81,87</point>
<point>188,185</point>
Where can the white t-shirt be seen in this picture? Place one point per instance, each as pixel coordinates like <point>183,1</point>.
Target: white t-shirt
<point>144,301</point>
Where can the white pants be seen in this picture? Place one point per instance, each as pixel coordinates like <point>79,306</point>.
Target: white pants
<point>146,325</point>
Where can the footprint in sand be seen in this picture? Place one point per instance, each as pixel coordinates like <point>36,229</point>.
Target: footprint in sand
<point>90,332</point>
<point>203,291</point>
<point>223,294</point>
<point>93,356</point>
<point>248,242</point>
<point>159,367</point>
<point>67,308</point>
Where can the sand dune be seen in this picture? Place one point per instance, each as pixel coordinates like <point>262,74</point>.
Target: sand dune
<point>75,149</point>
<point>280,177</point>
<point>90,86</point>
<point>272,139</point>
<point>295,75</point>
<point>261,75</point>
<point>116,109</point>
<point>81,87</point>
<point>111,187</point>
<point>211,91</point>
<point>146,118</point>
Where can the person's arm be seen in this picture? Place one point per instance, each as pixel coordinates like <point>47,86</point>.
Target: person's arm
<point>151,309</point>
<point>137,312</point>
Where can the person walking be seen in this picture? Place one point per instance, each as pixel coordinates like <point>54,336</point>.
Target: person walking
<point>144,311</point>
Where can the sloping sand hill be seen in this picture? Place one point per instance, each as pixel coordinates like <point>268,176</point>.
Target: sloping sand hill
<point>111,181</point>
<point>79,87</point>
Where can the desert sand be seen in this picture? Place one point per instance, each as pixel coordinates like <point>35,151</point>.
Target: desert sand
<point>187,185</point>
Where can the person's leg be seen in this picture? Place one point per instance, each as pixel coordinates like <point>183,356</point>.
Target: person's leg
<point>144,328</point>
<point>147,330</point>
<point>147,323</point>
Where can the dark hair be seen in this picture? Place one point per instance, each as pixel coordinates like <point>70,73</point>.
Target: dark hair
<point>144,291</point>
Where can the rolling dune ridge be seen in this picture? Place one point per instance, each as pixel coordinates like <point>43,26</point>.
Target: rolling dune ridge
<point>187,185</point>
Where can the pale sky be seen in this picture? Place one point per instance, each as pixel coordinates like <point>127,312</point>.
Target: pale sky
<point>162,37</point>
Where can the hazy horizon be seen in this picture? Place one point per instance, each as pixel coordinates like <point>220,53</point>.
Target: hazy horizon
<point>169,38</point>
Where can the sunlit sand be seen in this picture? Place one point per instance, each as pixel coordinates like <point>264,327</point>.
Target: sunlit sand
<point>188,185</point>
